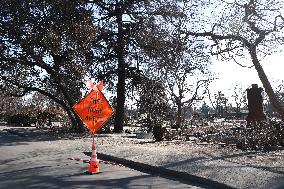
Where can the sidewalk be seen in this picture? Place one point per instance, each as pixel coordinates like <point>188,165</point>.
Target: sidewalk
<point>233,168</point>
<point>220,167</point>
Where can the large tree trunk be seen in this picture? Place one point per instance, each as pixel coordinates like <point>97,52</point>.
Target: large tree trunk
<point>120,94</point>
<point>76,123</point>
<point>265,82</point>
<point>179,116</point>
<point>119,113</point>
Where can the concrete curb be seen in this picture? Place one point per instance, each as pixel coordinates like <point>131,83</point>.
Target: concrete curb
<point>181,176</point>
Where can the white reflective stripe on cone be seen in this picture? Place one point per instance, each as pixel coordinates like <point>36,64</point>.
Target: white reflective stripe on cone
<point>94,157</point>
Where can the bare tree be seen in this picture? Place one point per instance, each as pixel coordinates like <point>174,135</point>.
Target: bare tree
<point>181,64</point>
<point>253,27</point>
<point>219,103</point>
<point>279,91</point>
<point>239,97</point>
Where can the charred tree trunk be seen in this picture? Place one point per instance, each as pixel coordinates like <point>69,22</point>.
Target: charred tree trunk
<point>179,116</point>
<point>121,74</point>
<point>77,124</point>
<point>72,119</point>
<point>265,82</point>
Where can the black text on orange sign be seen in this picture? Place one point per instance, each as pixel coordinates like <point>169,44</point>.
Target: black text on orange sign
<point>94,110</point>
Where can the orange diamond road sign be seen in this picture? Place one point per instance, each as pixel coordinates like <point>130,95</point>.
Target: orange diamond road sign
<point>94,109</point>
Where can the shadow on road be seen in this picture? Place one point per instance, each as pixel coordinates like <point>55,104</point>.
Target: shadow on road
<point>24,135</point>
<point>33,178</point>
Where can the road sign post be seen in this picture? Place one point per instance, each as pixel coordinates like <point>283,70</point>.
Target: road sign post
<point>94,110</point>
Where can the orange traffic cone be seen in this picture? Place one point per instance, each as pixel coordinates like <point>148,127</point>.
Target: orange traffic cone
<point>94,167</point>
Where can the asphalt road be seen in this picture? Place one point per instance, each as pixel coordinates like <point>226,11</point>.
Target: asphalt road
<point>36,164</point>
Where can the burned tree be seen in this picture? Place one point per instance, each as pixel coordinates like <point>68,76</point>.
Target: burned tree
<point>153,104</point>
<point>181,64</point>
<point>239,99</point>
<point>255,105</point>
<point>45,48</point>
<point>253,27</point>
<point>122,28</point>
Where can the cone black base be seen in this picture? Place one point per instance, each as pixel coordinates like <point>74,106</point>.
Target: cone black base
<point>94,173</point>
